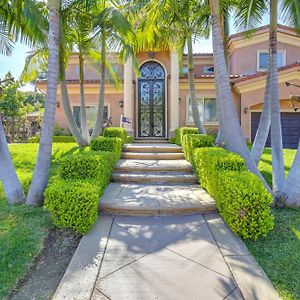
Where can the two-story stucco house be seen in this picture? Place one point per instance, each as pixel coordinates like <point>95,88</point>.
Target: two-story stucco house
<point>157,101</point>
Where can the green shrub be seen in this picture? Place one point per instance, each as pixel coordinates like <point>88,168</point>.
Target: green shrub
<point>180,132</point>
<point>73,203</point>
<point>244,204</point>
<point>241,198</point>
<point>129,139</point>
<point>192,141</point>
<point>209,161</point>
<point>110,144</point>
<point>115,132</point>
<point>97,165</point>
<point>56,139</point>
<point>172,140</point>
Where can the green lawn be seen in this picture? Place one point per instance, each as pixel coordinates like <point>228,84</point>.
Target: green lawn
<point>23,229</point>
<point>279,252</point>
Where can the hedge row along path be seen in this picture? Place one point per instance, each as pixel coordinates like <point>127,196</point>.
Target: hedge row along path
<point>140,253</point>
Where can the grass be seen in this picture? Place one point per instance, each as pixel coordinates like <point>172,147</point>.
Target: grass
<point>23,229</point>
<point>279,252</point>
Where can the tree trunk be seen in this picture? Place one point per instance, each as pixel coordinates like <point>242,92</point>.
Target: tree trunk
<point>225,33</point>
<point>291,186</point>
<point>10,181</point>
<point>41,172</point>
<point>264,122</point>
<point>83,118</point>
<point>195,108</point>
<point>99,121</point>
<point>231,129</point>
<point>278,177</point>
<point>67,107</point>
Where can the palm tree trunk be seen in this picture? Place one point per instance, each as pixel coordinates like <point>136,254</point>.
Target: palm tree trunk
<point>291,186</point>
<point>10,181</point>
<point>41,172</point>
<point>99,121</point>
<point>67,107</point>
<point>225,33</point>
<point>195,108</point>
<point>231,129</point>
<point>83,118</point>
<point>264,122</point>
<point>278,177</point>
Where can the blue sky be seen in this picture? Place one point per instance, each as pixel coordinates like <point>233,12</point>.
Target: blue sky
<point>15,62</point>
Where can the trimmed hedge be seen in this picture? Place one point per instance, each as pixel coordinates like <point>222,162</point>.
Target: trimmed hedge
<point>110,144</point>
<point>115,132</point>
<point>73,203</point>
<point>56,139</point>
<point>240,196</point>
<point>172,140</point>
<point>96,165</point>
<point>192,141</point>
<point>180,132</point>
<point>129,139</point>
<point>244,204</point>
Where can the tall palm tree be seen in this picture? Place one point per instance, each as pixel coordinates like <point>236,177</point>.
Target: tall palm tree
<point>231,129</point>
<point>17,21</point>
<point>182,22</point>
<point>112,31</point>
<point>41,171</point>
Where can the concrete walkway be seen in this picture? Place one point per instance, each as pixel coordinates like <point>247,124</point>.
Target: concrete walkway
<point>177,257</point>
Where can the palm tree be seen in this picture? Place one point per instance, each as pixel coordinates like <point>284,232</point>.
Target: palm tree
<point>182,22</point>
<point>112,31</point>
<point>10,181</point>
<point>41,171</point>
<point>17,21</point>
<point>231,129</point>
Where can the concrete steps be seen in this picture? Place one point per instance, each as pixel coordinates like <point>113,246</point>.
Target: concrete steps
<point>154,179</point>
<point>152,155</point>
<point>146,148</point>
<point>152,140</point>
<point>140,165</point>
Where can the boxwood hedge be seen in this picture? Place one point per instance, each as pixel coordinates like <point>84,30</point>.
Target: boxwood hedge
<point>240,196</point>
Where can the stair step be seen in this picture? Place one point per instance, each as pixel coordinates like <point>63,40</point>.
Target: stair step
<point>152,155</point>
<point>146,141</point>
<point>155,148</point>
<point>155,200</point>
<point>154,178</point>
<point>179,165</point>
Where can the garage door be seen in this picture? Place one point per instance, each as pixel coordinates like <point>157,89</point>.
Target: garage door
<point>290,123</point>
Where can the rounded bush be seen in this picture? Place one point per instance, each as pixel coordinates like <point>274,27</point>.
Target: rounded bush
<point>73,203</point>
<point>180,132</point>
<point>110,144</point>
<point>98,165</point>
<point>115,132</point>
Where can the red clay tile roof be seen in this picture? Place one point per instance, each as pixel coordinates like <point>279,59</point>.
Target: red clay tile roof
<point>280,26</point>
<point>248,77</point>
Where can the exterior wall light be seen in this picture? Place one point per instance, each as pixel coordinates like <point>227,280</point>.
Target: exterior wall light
<point>246,109</point>
<point>121,103</point>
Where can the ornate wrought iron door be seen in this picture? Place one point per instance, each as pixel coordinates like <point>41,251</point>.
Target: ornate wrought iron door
<point>151,100</point>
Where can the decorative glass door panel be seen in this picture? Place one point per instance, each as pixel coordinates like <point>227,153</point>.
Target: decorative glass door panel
<point>151,100</point>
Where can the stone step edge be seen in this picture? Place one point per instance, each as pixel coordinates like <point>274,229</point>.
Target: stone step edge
<point>161,211</point>
<point>141,149</point>
<point>153,169</point>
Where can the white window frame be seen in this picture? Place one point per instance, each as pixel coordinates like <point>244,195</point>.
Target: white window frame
<point>95,105</point>
<point>188,122</point>
<point>259,51</point>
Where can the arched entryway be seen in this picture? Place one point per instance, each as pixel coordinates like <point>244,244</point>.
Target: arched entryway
<point>151,100</point>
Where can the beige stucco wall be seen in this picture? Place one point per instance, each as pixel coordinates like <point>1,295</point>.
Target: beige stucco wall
<point>244,60</point>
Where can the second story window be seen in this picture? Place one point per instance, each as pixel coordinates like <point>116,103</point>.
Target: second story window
<point>208,69</point>
<point>263,56</point>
